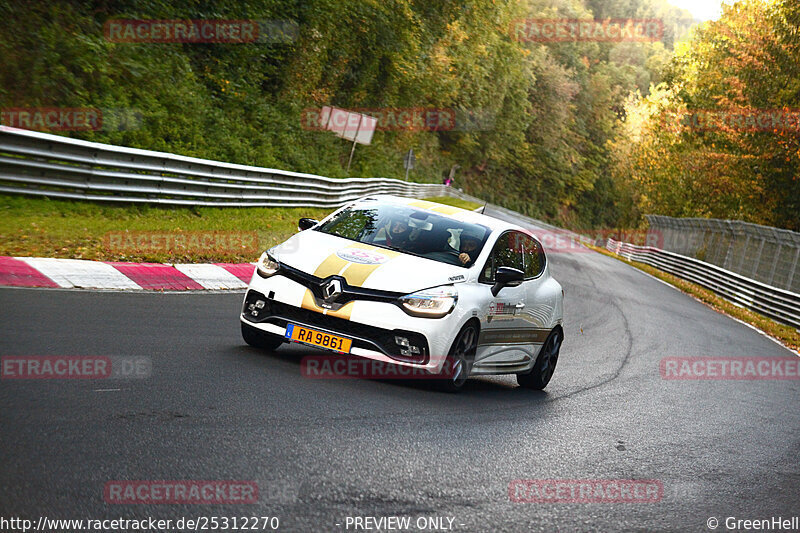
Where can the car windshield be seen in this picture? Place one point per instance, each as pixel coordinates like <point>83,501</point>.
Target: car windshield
<point>409,230</point>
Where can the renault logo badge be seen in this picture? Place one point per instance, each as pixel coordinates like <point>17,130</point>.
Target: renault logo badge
<point>332,289</point>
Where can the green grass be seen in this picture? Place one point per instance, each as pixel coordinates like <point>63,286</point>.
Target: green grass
<point>787,335</point>
<point>42,227</point>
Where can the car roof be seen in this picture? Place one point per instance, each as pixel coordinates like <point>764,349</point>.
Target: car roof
<point>449,211</point>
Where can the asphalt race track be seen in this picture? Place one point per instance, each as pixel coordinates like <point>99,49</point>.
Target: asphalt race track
<point>322,450</point>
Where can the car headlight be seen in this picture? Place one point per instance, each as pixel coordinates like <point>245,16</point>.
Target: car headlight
<point>430,303</point>
<point>266,266</point>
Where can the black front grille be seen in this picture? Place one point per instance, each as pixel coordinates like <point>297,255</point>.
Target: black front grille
<point>281,314</point>
<point>349,293</point>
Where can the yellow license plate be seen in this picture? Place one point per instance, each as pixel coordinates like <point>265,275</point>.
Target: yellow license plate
<point>317,338</point>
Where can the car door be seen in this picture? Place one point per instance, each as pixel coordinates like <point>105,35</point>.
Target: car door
<point>503,341</point>
<point>538,302</point>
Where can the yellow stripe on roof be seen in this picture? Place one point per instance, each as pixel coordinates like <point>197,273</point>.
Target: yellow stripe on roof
<point>433,206</point>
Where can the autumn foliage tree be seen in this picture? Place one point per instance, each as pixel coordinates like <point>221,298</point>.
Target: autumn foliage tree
<point>721,138</point>
<point>546,128</point>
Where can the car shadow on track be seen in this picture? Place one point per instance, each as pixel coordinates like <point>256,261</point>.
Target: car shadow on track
<point>500,387</point>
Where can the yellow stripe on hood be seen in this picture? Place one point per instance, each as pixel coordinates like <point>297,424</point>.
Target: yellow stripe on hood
<point>311,305</point>
<point>355,273</point>
<point>330,266</point>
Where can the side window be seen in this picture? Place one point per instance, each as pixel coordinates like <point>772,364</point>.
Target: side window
<point>507,251</point>
<point>534,257</point>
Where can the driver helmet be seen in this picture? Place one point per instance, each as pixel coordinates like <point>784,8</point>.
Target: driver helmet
<point>398,229</point>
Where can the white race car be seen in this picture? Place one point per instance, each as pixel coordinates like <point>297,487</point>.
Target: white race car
<point>410,282</point>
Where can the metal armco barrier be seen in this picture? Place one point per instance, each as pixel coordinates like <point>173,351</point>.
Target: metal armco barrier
<point>35,163</point>
<point>767,254</point>
<point>779,304</point>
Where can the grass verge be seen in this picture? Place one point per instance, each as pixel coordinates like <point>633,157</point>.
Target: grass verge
<point>787,335</point>
<point>42,227</point>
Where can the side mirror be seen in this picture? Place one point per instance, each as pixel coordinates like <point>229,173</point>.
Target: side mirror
<point>306,223</point>
<point>507,277</point>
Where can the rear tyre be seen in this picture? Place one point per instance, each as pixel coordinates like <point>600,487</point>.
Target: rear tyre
<point>542,371</point>
<point>260,339</point>
<point>458,364</point>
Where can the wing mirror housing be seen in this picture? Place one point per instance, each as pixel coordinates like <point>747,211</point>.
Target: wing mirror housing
<point>506,277</point>
<point>306,223</point>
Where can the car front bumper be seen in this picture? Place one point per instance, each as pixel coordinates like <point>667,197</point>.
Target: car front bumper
<point>373,326</point>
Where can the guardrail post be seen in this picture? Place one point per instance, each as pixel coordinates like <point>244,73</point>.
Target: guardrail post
<point>731,241</point>
<point>719,234</point>
<point>775,263</point>
<point>744,253</point>
<point>758,259</point>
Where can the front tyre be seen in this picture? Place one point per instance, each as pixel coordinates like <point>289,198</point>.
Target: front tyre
<point>542,371</point>
<point>260,339</point>
<point>458,364</point>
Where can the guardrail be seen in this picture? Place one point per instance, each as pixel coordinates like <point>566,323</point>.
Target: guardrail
<point>779,304</point>
<point>35,163</point>
<point>767,254</point>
